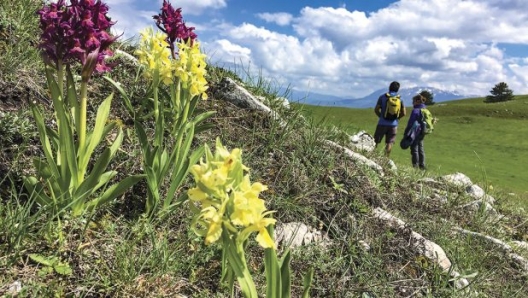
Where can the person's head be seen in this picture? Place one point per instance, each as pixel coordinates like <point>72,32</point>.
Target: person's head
<point>394,87</point>
<point>418,99</point>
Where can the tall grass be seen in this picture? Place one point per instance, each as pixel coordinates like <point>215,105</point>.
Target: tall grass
<point>18,25</point>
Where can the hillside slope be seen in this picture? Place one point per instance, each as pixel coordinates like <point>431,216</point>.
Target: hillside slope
<point>386,232</point>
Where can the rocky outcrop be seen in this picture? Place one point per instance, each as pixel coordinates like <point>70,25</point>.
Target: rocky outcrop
<point>420,245</point>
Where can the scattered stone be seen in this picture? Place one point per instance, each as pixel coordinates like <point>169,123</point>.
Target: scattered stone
<point>507,249</point>
<point>295,234</point>
<point>458,179</point>
<point>430,181</point>
<point>362,141</point>
<point>364,245</point>
<point>232,92</point>
<point>392,165</point>
<point>481,205</point>
<point>358,157</point>
<point>475,191</point>
<point>438,197</point>
<point>14,288</point>
<point>521,244</point>
<point>420,244</point>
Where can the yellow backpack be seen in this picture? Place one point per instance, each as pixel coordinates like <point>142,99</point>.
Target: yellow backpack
<point>393,107</point>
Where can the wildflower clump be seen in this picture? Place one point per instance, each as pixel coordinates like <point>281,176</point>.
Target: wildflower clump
<point>225,200</point>
<point>65,180</point>
<point>170,58</point>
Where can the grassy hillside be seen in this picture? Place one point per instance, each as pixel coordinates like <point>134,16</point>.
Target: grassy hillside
<point>486,141</point>
<point>118,249</point>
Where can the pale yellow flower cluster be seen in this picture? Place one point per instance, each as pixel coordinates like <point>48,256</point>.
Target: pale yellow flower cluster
<point>227,199</point>
<point>155,55</point>
<point>190,68</point>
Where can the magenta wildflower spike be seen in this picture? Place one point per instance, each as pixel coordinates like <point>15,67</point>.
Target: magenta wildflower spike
<point>171,22</point>
<point>73,32</point>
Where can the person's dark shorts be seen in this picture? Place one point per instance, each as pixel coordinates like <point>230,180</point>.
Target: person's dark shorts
<point>389,132</point>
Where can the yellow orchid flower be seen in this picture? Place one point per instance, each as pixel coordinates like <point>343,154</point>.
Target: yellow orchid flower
<point>190,68</point>
<point>154,54</point>
<point>263,238</point>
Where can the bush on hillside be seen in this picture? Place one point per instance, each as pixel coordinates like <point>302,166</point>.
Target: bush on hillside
<point>501,92</point>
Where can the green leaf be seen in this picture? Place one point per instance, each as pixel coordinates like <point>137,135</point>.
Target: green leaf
<point>53,135</point>
<point>68,154</point>
<point>142,136</point>
<point>286,274</point>
<point>100,122</point>
<point>273,273</point>
<point>56,94</point>
<point>35,188</point>
<point>164,164</point>
<point>238,263</point>
<point>43,168</point>
<point>46,146</point>
<point>115,191</point>
<point>63,268</point>
<point>43,260</point>
<point>71,96</point>
<point>180,171</point>
<point>203,127</point>
<point>125,97</point>
<point>307,283</point>
<point>204,116</point>
<point>87,187</point>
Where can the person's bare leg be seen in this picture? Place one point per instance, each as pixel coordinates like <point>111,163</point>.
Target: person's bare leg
<point>388,149</point>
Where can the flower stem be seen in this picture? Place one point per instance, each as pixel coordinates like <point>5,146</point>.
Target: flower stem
<point>60,78</point>
<point>82,121</point>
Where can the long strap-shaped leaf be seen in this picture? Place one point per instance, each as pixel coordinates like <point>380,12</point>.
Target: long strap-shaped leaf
<point>71,98</point>
<point>68,152</point>
<point>44,140</point>
<point>114,191</point>
<point>237,261</point>
<point>285,275</point>
<point>100,122</point>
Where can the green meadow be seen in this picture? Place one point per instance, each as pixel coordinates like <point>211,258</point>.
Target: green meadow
<point>485,141</point>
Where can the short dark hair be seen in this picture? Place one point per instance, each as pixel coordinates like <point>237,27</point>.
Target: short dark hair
<point>419,98</point>
<point>394,87</point>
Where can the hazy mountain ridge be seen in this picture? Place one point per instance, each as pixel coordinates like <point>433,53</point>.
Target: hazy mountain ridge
<point>368,101</point>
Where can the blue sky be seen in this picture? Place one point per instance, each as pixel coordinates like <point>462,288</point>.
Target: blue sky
<point>352,48</point>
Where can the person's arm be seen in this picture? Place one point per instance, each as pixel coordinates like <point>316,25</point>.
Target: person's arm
<point>413,117</point>
<point>402,110</point>
<point>377,108</point>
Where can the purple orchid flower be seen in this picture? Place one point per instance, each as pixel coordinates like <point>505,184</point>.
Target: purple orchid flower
<point>75,33</point>
<point>171,22</point>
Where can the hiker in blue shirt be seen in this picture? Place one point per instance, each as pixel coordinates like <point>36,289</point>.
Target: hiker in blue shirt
<point>389,112</point>
<point>415,124</point>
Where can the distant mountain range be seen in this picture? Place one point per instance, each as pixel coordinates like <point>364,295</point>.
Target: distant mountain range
<point>369,101</point>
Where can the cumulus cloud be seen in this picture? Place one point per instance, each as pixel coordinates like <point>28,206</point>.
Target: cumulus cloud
<point>129,19</point>
<point>281,18</point>
<point>441,43</point>
<point>449,44</point>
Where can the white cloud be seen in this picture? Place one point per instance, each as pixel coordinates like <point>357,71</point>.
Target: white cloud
<point>442,43</point>
<point>281,18</point>
<point>129,20</point>
<point>225,50</point>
